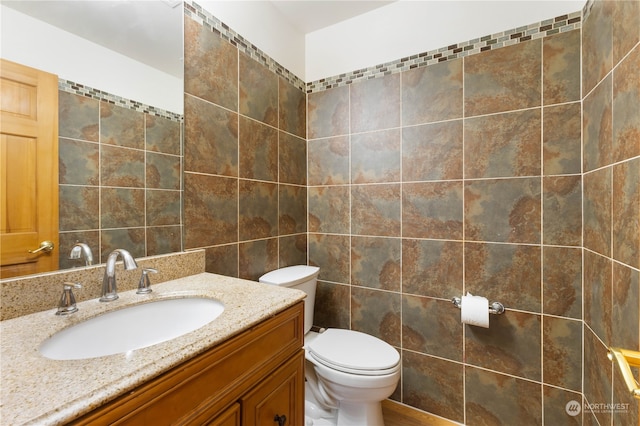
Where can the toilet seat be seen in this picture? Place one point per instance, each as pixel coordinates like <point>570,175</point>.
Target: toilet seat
<point>353,352</point>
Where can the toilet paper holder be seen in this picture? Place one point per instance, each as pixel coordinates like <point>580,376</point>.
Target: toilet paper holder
<point>495,308</point>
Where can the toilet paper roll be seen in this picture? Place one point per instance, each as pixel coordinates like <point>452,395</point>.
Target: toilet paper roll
<point>474,310</point>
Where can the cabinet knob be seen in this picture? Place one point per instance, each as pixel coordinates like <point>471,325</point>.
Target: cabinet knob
<point>280,419</point>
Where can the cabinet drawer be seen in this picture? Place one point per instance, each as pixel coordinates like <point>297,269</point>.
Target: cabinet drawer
<point>281,396</point>
<point>196,391</point>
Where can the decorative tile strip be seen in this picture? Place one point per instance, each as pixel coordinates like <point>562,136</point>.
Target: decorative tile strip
<point>490,42</point>
<point>89,92</point>
<point>206,19</point>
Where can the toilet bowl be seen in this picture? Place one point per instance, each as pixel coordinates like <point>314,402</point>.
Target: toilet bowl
<point>348,373</point>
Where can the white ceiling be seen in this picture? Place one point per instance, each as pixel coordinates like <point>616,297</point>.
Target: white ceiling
<point>150,31</point>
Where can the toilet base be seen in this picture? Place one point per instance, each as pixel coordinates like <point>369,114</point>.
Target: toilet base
<point>359,414</point>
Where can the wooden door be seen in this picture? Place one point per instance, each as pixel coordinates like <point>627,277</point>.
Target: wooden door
<point>28,169</point>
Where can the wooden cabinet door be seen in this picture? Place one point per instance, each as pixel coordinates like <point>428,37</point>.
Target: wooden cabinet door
<point>278,397</point>
<point>231,417</point>
<point>28,169</point>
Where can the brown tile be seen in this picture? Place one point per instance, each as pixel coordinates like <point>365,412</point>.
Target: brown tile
<point>210,139</point>
<point>432,151</point>
<point>292,154</point>
<point>510,345</point>
<point>503,145</point>
<point>597,211</point>
<point>375,263</point>
<point>562,352</point>
<point>328,113</point>
<point>375,104</point>
<point>495,399</point>
<point>562,281</point>
<point>163,135</point>
<point>597,295</point>
<point>432,93</point>
<point>505,210</point>
<point>626,211</point>
<point>562,407</point>
<point>431,326</point>
<point>256,258</point>
<point>331,254</point>
<point>79,207</point>
<point>121,167</point>
<point>626,412</point>
<point>211,66</point>
<point>258,210</point>
<point>506,273</point>
<point>78,117</point>
<point>433,385</point>
<point>432,210</point>
<point>329,209</point>
<point>562,207</point>
<point>504,79</point>
<point>163,171</point>
<point>626,104</point>
<point>597,376</point>
<point>78,162</point>
<point>333,306</point>
<point>597,43</point>
<point>163,207</point>
<point>121,126</point>
<point>328,162</point>
<point>163,239</point>
<point>375,210</point>
<point>432,268</point>
<point>210,210</point>
<point>562,141</point>
<point>258,151</point>
<point>292,250</point>
<point>625,318</point>
<point>130,239</point>
<point>376,313</point>
<point>375,157</point>
<point>292,208</point>
<point>626,28</point>
<point>292,107</point>
<point>258,91</point>
<point>222,260</point>
<point>596,127</point>
<point>121,208</point>
<point>561,68</point>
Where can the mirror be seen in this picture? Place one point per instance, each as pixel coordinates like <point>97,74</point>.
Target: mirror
<point>120,65</point>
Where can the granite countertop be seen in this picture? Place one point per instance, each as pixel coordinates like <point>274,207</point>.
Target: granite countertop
<point>37,390</point>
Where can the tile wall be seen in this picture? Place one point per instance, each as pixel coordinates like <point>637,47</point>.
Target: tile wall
<point>467,176</point>
<point>611,167</point>
<point>120,176</point>
<point>424,182</point>
<point>245,153</point>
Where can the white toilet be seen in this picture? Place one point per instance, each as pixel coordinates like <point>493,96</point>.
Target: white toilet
<point>348,373</point>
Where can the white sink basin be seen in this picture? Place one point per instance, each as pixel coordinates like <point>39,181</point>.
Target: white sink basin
<point>131,328</point>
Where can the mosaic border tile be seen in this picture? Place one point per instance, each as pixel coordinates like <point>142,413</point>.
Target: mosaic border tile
<point>206,19</point>
<point>538,30</point>
<point>89,92</point>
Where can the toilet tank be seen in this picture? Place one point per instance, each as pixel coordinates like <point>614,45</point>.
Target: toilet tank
<point>300,277</point>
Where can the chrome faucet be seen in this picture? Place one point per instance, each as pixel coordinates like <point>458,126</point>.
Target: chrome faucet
<point>109,289</point>
<point>80,250</point>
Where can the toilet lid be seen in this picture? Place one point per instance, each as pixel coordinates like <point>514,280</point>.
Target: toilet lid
<point>354,352</point>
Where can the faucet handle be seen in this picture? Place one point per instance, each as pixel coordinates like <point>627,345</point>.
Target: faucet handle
<point>67,304</point>
<point>144,286</point>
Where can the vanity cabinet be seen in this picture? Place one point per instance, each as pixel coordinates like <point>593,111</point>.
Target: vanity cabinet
<point>254,378</point>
